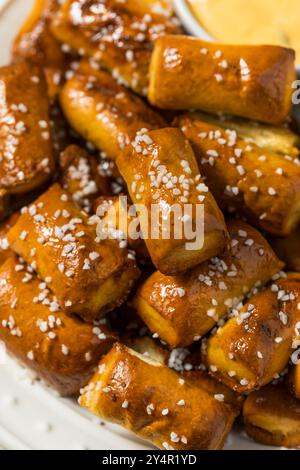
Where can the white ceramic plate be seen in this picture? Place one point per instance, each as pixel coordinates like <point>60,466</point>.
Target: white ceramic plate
<point>31,415</point>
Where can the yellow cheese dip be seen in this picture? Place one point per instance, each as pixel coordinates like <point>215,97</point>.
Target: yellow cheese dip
<point>251,21</point>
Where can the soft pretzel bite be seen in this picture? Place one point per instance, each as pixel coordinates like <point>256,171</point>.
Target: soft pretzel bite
<point>118,34</point>
<point>154,402</point>
<point>294,378</point>
<point>36,43</point>
<point>288,249</point>
<point>5,226</point>
<point>80,176</point>
<point>272,416</point>
<point>182,308</point>
<point>150,348</point>
<point>255,345</point>
<point>248,81</point>
<point>116,211</point>
<point>88,276</point>
<point>62,350</point>
<point>278,139</point>
<point>161,173</point>
<point>245,178</point>
<point>104,112</point>
<point>26,157</point>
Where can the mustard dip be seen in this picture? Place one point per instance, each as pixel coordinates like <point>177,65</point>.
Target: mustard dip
<point>251,21</point>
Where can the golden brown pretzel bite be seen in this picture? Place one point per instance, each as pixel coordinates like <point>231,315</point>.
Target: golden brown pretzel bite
<point>118,34</point>
<point>182,308</point>
<point>150,348</point>
<point>62,350</point>
<point>36,43</point>
<point>160,170</point>
<point>88,277</point>
<point>104,112</point>
<point>255,346</point>
<point>272,416</point>
<point>278,139</point>
<point>155,403</point>
<point>25,149</point>
<point>80,176</point>
<point>245,178</point>
<point>249,81</point>
<point>288,249</point>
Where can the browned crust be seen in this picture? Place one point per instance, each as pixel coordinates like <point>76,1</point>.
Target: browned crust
<point>200,421</point>
<point>190,304</point>
<point>112,37</point>
<point>244,178</point>
<point>138,166</point>
<point>26,147</point>
<point>41,236</point>
<point>65,360</point>
<point>272,416</point>
<point>186,73</point>
<point>256,344</point>
<point>104,112</point>
<point>81,177</point>
<point>35,42</point>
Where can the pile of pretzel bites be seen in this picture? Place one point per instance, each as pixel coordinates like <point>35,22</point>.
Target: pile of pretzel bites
<point>109,100</point>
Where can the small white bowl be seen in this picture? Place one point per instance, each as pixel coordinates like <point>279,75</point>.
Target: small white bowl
<point>188,20</point>
<point>193,27</point>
